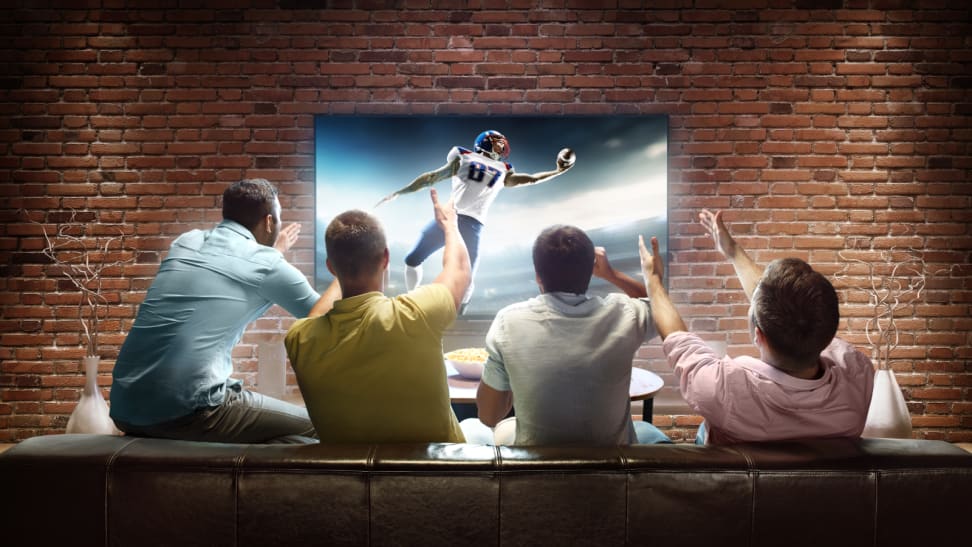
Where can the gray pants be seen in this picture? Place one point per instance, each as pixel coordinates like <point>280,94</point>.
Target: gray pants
<point>244,417</point>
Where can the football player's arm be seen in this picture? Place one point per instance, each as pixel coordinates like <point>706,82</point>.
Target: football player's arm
<point>425,179</point>
<point>603,269</point>
<point>456,271</point>
<point>520,179</point>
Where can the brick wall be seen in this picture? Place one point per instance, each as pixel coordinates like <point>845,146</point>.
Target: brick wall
<point>818,130</point>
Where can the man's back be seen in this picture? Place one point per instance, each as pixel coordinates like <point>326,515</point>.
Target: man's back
<point>744,399</point>
<point>567,360</point>
<point>177,356</point>
<point>371,369</point>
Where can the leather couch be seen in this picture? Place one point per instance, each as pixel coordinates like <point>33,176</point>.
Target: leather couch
<point>74,490</point>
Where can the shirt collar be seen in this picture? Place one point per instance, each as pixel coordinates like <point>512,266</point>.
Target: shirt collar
<point>234,226</point>
<point>568,303</point>
<point>351,303</point>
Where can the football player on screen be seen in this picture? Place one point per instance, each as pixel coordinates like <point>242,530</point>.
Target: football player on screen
<point>477,175</point>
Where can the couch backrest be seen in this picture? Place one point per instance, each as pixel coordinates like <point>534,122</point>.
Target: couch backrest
<point>100,490</point>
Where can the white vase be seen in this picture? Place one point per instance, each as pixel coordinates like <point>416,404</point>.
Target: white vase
<point>888,414</point>
<point>91,414</point>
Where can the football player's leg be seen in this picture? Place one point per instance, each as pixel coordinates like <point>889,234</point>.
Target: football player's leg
<point>470,230</point>
<point>413,276</point>
<point>431,240</point>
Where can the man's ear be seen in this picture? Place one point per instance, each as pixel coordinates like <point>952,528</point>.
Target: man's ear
<point>327,262</point>
<point>539,283</point>
<point>759,339</point>
<point>386,258</point>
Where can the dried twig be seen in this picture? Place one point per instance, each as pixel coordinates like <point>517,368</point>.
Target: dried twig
<point>82,260</point>
<point>888,294</point>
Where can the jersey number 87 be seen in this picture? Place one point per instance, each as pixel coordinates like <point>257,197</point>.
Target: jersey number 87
<point>478,172</point>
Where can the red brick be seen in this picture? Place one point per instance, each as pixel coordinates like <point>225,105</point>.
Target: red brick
<point>832,135</point>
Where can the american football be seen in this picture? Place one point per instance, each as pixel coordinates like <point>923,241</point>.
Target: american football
<point>566,158</point>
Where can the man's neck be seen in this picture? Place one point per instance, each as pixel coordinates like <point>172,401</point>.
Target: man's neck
<point>351,288</point>
<point>810,371</point>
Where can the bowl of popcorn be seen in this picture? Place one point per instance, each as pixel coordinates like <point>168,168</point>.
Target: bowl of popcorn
<point>468,362</point>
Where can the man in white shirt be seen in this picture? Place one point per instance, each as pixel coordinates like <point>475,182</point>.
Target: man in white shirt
<point>564,357</point>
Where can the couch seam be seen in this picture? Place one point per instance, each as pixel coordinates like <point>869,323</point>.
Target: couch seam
<point>754,475</point>
<point>237,472</point>
<point>874,533</point>
<point>497,466</point>
<point>109,469</point>
<point>369,470</point>
<point>627,496</point>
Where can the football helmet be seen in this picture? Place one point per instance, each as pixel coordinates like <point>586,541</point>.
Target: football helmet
<point>492,144</point>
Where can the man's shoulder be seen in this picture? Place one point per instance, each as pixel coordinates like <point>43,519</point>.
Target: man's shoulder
<point>428,298</point>
<point>526,307</point>
<point>458,151</point>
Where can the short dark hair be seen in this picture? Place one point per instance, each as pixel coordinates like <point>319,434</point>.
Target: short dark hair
<point>796,308</point>
<point>355,243</point>
<point>563,258</point>
<point>249,201</point>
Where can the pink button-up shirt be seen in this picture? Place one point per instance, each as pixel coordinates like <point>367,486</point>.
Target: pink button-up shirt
<point>744,399</point>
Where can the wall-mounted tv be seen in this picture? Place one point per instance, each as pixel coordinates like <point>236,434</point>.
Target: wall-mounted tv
<point>616,190</point>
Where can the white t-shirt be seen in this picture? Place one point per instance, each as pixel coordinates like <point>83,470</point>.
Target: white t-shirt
<point>477,182</point>
<point>567,360</point>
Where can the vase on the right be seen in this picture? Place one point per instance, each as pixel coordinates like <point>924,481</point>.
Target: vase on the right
<point>888,414</point>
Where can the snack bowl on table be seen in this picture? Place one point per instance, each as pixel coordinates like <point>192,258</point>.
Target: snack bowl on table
<point>468,362</point>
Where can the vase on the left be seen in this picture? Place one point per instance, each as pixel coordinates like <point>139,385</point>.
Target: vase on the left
<point>91,414</point>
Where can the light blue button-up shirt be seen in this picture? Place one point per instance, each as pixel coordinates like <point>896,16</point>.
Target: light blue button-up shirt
<point>178,356</point>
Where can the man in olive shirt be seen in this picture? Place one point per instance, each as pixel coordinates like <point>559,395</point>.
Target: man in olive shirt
<point>370,369</point>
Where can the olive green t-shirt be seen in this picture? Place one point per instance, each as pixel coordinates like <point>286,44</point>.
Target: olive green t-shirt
<point>371,369</point>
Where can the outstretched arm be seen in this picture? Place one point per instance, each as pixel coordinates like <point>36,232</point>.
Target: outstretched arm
<point>456,270</point>
<point>663,312</point>
<point>747,270</point>
<point>603,269</point>
<point>520,179</point>
<point>423,180</point>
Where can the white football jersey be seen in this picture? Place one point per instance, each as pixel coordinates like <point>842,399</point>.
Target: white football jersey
<point>477,182</point>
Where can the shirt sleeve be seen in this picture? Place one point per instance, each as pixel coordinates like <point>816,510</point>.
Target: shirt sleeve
<point>857,367</point>
<point>701,375</point>
<point>494,373</point>
<point>287,287</point>
<point>642,310</point>
<point>435,303</point>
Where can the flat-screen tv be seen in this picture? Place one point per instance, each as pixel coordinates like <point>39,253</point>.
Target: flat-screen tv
<point>616,190</point>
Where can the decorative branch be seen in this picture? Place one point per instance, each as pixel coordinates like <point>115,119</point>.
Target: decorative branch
<point>888,294</point>
<point>82,260</point>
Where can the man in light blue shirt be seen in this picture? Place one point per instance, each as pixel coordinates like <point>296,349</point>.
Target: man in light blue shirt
<point>172,376</point>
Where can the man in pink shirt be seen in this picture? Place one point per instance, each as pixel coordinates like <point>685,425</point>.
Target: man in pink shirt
<point>806,383</point>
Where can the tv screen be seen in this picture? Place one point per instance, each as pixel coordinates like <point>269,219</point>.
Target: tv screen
<point>616,189</point>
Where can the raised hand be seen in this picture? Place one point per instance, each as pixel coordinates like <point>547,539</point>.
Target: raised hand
<point>287,237</point>
<point>651,263</point>
<point>723,240</point>
<point>445,215</point>
<point>602,266</point>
